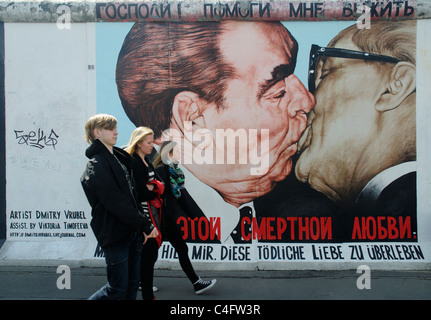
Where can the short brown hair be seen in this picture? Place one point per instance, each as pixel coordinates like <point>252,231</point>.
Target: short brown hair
<point>101,120</point>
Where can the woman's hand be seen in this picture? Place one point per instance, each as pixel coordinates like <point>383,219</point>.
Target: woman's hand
<point>153,234</point>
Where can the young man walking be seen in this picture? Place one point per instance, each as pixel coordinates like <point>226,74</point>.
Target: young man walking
<point>117,222</point>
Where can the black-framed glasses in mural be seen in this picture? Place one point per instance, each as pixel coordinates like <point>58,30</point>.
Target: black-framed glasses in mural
<point>317,51</point>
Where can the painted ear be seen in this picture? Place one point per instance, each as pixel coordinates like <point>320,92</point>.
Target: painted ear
<point>187,113</point>
<point>401,83</point>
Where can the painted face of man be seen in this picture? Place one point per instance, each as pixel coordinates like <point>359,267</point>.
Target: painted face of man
<point>264,96</point>
<point>344,126</point>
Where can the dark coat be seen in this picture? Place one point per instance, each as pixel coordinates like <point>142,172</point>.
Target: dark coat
<point>174,208</point>
<point>141,177</point>
<point>115,213</point>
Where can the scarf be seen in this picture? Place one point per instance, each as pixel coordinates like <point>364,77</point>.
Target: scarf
<point>176,178</point>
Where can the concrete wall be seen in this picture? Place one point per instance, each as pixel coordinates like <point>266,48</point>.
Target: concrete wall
<point>209,10</point>
<point>59,72</point>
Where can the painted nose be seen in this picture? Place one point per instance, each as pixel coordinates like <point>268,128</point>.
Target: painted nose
<point>302,101</point>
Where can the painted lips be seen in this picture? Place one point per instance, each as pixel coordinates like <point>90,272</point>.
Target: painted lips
<point>305,140</point>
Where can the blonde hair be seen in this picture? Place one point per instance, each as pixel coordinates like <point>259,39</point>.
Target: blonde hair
<point>99,121</point>
<point>137,136</point>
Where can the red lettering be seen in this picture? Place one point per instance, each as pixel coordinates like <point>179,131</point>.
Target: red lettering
<point>203,234</point>
<point>326,228</point>
<point>382,232</point>
<point>392,228</point>
<point>292,227</point>
<point>200,227</point>
<point>281,227</point>
<point>304,228</point>
<point>405,228</point>
<point>370,229</point>
<point>215,228</point>
<point>184,228</point>
<point>245,220</point>
<point>193,228</point>
<point>314,228</point>
<point>382,228</point>
<point>259,231</point>
<point>356,229</point>
<point>269,228</point>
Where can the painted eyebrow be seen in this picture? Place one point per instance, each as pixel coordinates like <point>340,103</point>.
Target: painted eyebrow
<point>278,73</point>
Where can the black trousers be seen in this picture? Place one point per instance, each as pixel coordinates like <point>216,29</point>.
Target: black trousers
<point>149,256</point>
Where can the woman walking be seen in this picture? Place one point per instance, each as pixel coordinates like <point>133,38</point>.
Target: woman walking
<point>149,189</point>
<point>175,196</point>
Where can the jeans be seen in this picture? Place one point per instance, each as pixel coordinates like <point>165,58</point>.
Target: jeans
<point>122,266</point>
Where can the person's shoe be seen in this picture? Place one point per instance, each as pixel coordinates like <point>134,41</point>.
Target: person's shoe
<point>155,289</point>
<point>201,286</point>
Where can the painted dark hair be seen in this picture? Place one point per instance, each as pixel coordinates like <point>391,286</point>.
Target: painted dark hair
<point>158,60</point>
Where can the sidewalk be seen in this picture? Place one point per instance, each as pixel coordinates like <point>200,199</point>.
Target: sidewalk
<point>40,283</point>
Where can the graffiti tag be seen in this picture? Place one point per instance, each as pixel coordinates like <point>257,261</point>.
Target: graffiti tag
<point>37,139</point>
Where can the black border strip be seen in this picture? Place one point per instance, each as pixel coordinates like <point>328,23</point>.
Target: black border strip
<point>2,139</point>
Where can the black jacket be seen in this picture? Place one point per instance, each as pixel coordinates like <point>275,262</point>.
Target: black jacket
<point>174,208</point>
<point>115,213</point>
<point>185,206</point>
<point>141,176</point>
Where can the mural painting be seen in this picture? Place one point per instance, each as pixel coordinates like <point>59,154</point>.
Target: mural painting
<point>283,164</point>
<point>297,139</point>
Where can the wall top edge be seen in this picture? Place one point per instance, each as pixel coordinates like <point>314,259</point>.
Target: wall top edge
<point>211,10</point>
